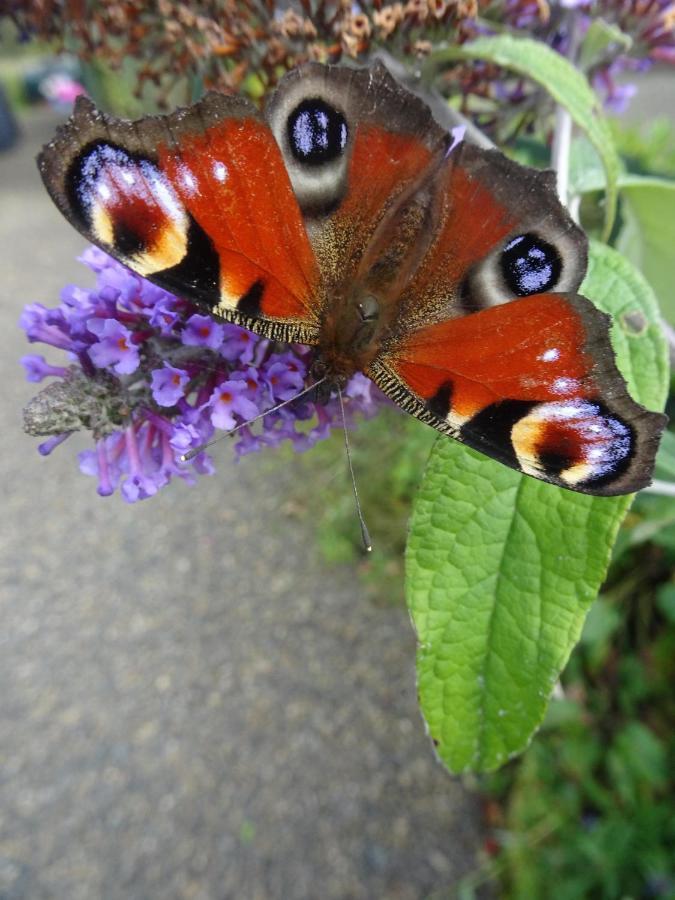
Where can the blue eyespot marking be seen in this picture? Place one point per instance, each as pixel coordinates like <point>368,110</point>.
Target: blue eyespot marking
<point>317,133</point>
<point>530,265</point>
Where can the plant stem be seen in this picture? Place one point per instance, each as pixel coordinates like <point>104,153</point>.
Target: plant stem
<point>560,153</point>
<point>663,488</point>
<point>562,135</point>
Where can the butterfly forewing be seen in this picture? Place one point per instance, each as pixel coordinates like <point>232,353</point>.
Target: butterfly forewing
<point>199,202</point>
<point>382,141</point>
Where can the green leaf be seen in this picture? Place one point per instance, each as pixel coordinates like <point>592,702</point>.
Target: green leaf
<point>648,212</point>
<point>566,85</point>
<point>665,458</point>
<point>600,37</point>
<point>501,568</point>
<point>665,600</point>
<point>618,288</point>
<point>586,173</point>
<point>648,238</point>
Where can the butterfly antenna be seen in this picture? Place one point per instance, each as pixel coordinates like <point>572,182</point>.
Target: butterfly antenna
<point>365,536</point>
<point>186,457</point>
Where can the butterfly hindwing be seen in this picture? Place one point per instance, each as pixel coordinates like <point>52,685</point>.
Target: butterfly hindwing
<point>199,202</point>
<point>533,384</point>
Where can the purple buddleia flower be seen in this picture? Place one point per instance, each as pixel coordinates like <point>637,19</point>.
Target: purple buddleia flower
<point>37,368</point>
<point>185,437</point>
<point>285,376</point>
<point>34,321</point>
<point>154,380</point>
<point>46,447</point>
<point>115,347</point>
<point>230,406</point>
<point>96,259</point>
<point>99,464</point>
<point>202,331</point>
<point>143,479</point>
<point>238,344</point>
<point>168,385</point>
<point>164,315</point>
<point>253,381</point>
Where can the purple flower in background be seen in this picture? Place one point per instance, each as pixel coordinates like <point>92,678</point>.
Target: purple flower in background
<point>617,96</point>
<point>624,38</point>
<point>202,331</point>
<point>115,347</point>
<point>37,368</point>
<point>229,401</point>
<point>61,90</point>
<point>168,385</point>
<point>153,380</point>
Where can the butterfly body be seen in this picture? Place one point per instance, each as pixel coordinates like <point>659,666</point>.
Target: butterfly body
<point>361,312</point>
<point>346,218</point>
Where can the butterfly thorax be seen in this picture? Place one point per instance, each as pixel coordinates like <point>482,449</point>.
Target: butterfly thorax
<point>362,304</point>
<point>351,336</point>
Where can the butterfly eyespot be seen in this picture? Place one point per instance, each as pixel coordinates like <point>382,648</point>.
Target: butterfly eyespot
<point>129,205</point>
<point>317,133</point>
<point>576,441</point>
<point>530,265</point>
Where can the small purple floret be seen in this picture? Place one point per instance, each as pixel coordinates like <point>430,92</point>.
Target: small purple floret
<point>37,368</point>
<point>202,331</point>
<point>115,348</point>
<point>285,376</point>
<point>230,406</point>
<point>168,385</point>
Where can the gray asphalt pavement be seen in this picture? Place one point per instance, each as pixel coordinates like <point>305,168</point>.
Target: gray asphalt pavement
<point>192,705</point>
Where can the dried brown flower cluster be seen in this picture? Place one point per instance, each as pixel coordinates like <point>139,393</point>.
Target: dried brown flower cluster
<point>247,45</point>
<point>221,42</point>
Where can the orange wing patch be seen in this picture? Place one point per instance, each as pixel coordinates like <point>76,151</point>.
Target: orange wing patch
<point>529,349</point>
<point>383,167</point>
<point>232,180</point>
<point>472,223</point>
<point>517,382</point>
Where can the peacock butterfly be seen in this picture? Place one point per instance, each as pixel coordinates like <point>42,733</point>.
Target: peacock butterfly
<point>345,219</point>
